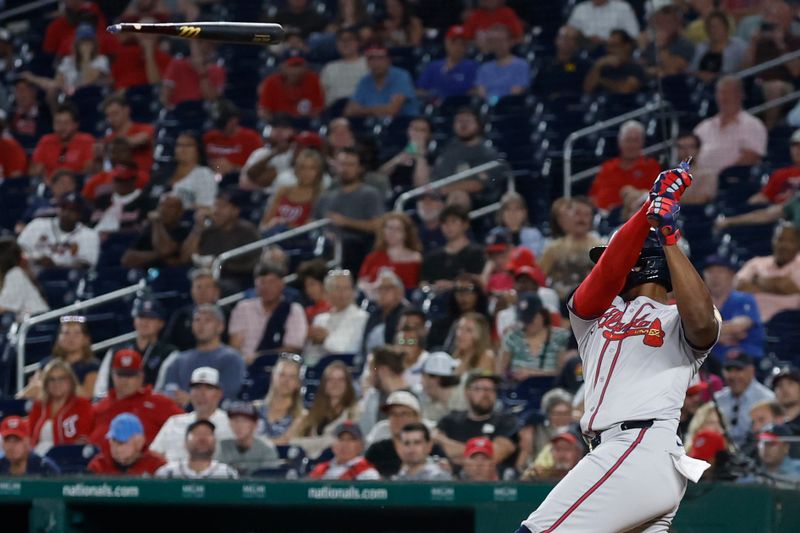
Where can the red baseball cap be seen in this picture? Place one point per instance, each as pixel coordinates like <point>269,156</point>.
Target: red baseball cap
<point>697,388</point>
<point>309,139</point>
<point>456,32</point>
<point>532,272</point>
<point>477,445</point>
<point>127,361</point>
<point>15,426</point>
<point>565,435</point>
<point>376,50</point>
<point>706,444</point>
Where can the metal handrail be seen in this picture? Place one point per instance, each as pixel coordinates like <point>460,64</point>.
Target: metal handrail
<point>216,265</point>
<point>755,69</point>
<point>774,103</point>
<point>13,12</point>
<point>444,182</point>
<point>569,143</point>
<point>29,321</point>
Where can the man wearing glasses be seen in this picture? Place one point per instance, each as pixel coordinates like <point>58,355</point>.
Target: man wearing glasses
<point>740,394</point>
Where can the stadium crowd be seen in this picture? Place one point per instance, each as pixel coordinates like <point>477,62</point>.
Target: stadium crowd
<point>439,347</point>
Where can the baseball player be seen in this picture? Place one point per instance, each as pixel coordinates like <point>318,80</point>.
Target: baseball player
<point>639,355</point>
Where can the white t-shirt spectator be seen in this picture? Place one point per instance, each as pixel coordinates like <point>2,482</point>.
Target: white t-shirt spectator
<point>339,78</point>
<point>43,237</point>
<point>19,294</point>
<point>180,469</point>
<point>171,438</point>
<point>72,76</point>
<point>280,163</point>
<point>599,21</point>
<point>197,188</point>
<point>345,333</point>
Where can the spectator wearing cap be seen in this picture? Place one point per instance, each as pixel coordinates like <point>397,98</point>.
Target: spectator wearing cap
<point>458,255</point>
<point>386,91</point>
<point>415,451</point>
<point>397,249</point>
<point>695,397</point>
<point>479,461</point>
<point>495,277</point>
<point>384,441</point>
<point>28,120</point>
<point>786,385</point>
<point>339,78</point>
<point>292,204</point>
<point>271,159</point>
<point>537,432</point>
<point>294,89</point>
<point>247,452</point>
<point>204,290</point>
<point>561,77</point>
<point>440,391</point>
<point>566,259</point>
<point>467,150</point>
<point>18,457</point>
<point>18,291</point>
<point>390,301</point>
<point>779,470</point>
<point>710,445</point>
<point>59,416</point>
<point>596,19</point>
<point>566,451</point>
<point>148,322</point>
<point>140,136</point>
<point>506,74</point>
<point>131,395</point>
<point>127,455</point>
<point>224,230</point>
<point>65,147</point>
<point>479,420</point>
<point>742,390</point>
<point>196,78</point>
<point>117,155</point>
<point>774,280</point>
<point>13,159</point>
<point>61,241</point>
<point>742,328</point>
<point>783,182</point>
<point>159,244</point>
<point>411,341</point>
<point>229,144</point>
<point>205,396</point>
<point>535,347</point>
<point>347,462</point>
<point>383,375</point>
<point>269,322</point>
<point>197,460</point>
<point>452,76</point>
<point>128,208</point>
<point>429,208</point>
<point>208,324</point>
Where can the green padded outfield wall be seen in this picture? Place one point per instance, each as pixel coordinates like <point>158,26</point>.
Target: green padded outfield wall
<point>147,506</point>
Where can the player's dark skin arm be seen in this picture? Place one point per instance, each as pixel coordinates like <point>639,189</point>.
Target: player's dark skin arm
<point>695,305</point>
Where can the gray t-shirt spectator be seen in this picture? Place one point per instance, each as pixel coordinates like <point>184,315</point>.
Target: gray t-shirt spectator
<point>458,156</point>
<point>225,359</point>
<point>262,454</point>
<point>363,203</point>
<point>430,472</point>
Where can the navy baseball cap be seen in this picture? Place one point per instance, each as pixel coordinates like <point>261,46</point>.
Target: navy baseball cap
<point>788,372</point>
<point>736,359</point>
<point>528,306</point>
<point>148,308</point>
<point>499,240</point>
<point>719,260</point>
<point>350,427</point>
<point>124,426</point>
<point>246,409</point>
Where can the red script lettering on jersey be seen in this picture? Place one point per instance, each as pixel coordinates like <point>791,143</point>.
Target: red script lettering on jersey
<point>617,330</point>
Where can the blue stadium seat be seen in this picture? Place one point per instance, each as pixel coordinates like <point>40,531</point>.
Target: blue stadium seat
<point>258,376</point>
<point>527,395</point>
<point>72,458</point>
<point>14,407</point>
<point>783,336</point>
<point>143,101</point>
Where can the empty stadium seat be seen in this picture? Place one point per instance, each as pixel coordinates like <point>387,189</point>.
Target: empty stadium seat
<point>72,458</point>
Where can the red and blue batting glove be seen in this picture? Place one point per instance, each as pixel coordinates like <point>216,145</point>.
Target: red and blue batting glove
<point>663,216</point>
<point>673,182</point>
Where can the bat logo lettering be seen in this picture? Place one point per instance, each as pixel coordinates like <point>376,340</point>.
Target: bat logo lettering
<point>189,31</point>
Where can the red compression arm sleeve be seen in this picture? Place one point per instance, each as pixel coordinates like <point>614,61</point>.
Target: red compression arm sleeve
<point>607,278</point>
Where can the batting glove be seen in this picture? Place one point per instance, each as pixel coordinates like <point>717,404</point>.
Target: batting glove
<point>663,215</point>
<point>674,182</point>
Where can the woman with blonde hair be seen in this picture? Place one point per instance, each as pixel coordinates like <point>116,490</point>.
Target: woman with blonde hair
<point>59,416</point>
<point>397,247</point>
<point>291,206</point>
<point>334,403</point>
<point>706,417</point>
<point>283,404</point>
<point>74,346</point>
<point>473,344</point>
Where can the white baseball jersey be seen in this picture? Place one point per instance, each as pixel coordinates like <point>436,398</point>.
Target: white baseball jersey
<point>637,363</point>
<point>43,237</point>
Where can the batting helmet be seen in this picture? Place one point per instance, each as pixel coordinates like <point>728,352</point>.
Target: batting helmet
<point>651,267</point>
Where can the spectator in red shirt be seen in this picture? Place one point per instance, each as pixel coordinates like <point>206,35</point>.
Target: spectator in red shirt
<point>65,147</point>
<point>126,454</point>
<point>488,14</point>
<point>631,169</point>
<point>130,395</point>
<point>195,78</point>
<point>784,182</point>
<point>139,136</point>
<point>138,61</point>
<point>229,145</point>
<point>119,154</point>
<point>60,33</point>
<point>294,89</point>
<point>13,159</point>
